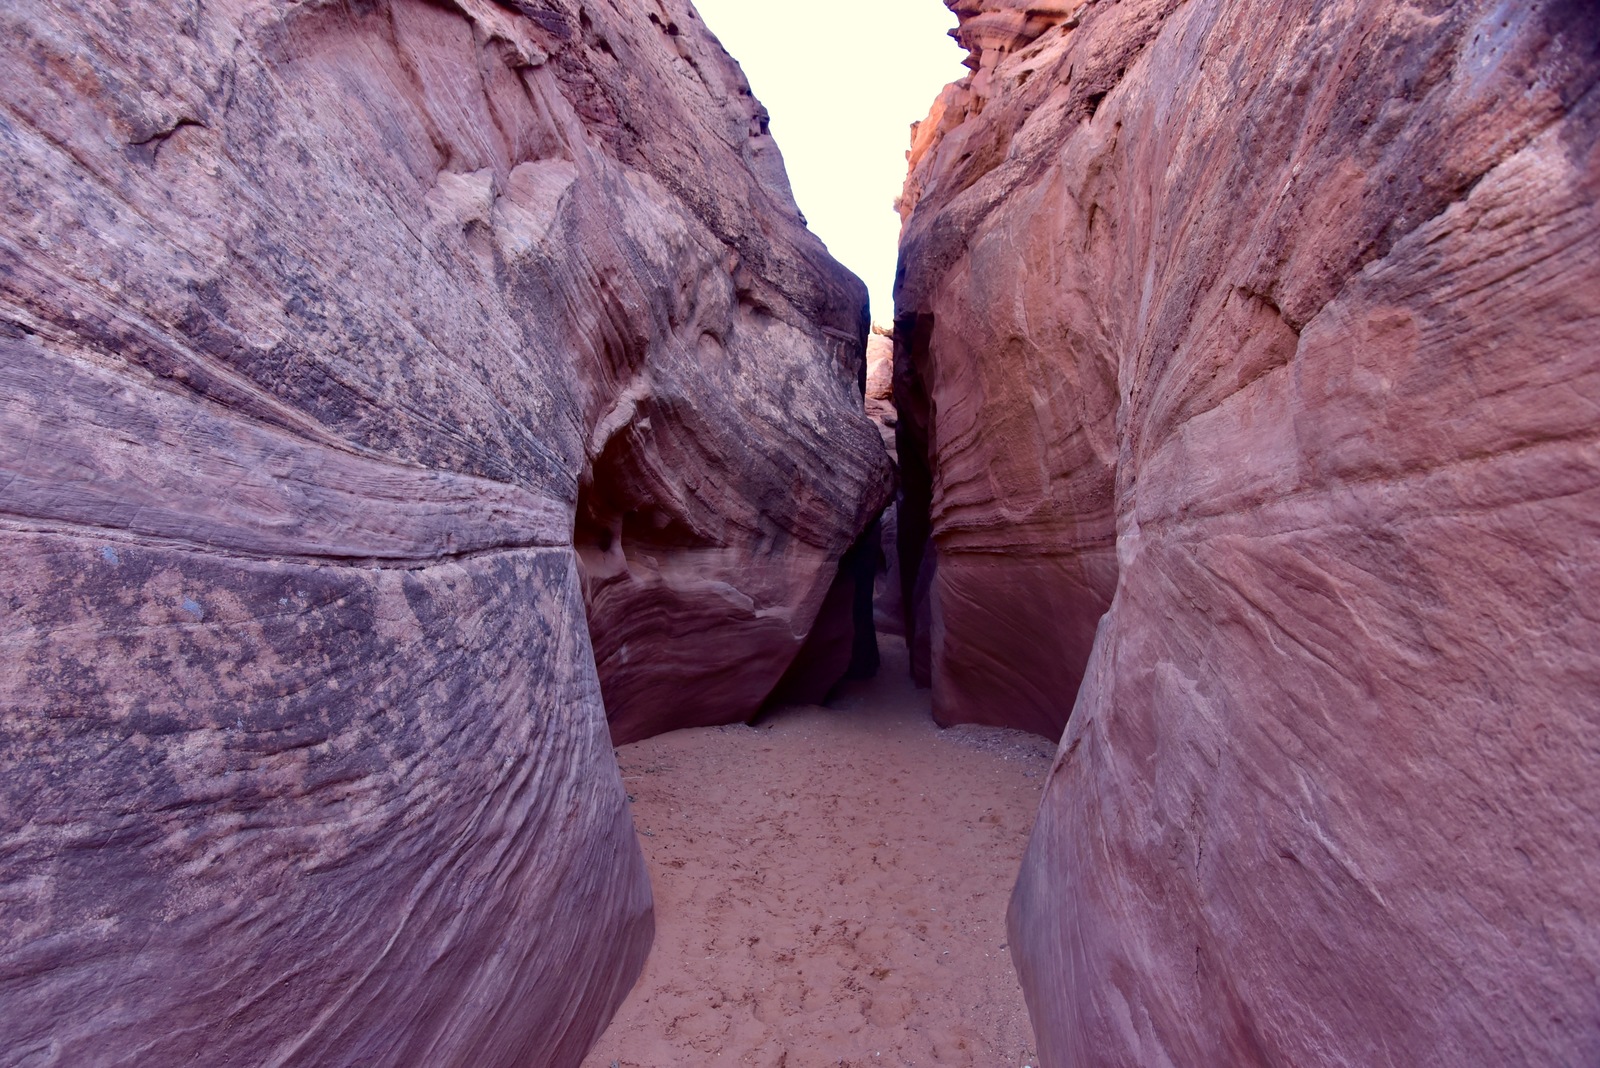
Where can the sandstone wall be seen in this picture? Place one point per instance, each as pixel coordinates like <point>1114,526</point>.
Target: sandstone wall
<point>327,330</point>
<point>1273,328</point>
<point>888,616</point>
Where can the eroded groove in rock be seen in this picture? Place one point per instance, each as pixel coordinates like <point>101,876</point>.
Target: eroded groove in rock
<point>1271,326</point>
<point>325,330</point>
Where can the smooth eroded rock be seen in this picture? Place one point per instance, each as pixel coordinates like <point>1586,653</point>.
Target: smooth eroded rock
<point>1272,327</point>
<point>327,332</point>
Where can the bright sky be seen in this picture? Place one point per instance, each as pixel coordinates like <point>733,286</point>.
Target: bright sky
<point>843,87</point>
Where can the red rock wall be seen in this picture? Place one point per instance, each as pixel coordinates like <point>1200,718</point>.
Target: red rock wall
<point>731,465</point>
<point>325,329</point>
<point>888,615</point>
<point>1274,328</point>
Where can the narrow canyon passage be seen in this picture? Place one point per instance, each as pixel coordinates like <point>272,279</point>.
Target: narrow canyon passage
<point>831,887</point>
<point>403,403</point>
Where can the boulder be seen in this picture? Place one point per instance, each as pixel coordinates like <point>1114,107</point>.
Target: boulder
<point>1247,353</point>
<point>385,385</point>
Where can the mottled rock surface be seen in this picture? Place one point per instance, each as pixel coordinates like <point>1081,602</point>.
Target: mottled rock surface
<point>325,329</point>
<point>1273,327</point>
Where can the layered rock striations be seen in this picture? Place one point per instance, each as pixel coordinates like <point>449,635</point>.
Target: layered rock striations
<point>360,361</point>
<point>1247,361</point>
<point>888,616</point>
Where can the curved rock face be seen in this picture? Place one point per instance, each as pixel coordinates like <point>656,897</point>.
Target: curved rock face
<point>326,329</point>
<point>1273,327</point>
<point>732,465</point>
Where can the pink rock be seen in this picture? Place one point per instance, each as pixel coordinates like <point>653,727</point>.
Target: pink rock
<point>888,612</point>
<point>1273,326</point>
<point>324,330</point>
<point>880,387</point>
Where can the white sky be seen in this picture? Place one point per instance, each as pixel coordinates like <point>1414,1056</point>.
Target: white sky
<point>843,87</point>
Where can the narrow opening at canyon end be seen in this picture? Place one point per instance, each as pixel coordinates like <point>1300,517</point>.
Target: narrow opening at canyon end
<point>831,882</point>
<point>841,106</point>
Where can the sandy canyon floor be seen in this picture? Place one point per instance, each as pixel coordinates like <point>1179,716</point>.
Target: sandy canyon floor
<point>831,887</point>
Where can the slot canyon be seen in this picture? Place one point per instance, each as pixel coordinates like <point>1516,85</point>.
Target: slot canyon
<point>446,490</point>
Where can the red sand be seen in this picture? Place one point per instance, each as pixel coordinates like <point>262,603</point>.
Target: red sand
<point>831,888</point>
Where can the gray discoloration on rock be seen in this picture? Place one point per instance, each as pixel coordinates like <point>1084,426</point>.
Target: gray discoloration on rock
<point>308,317</point>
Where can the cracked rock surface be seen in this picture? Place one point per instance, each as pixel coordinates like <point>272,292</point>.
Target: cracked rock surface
<point>384,383</point>
<point>1246,382</point>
